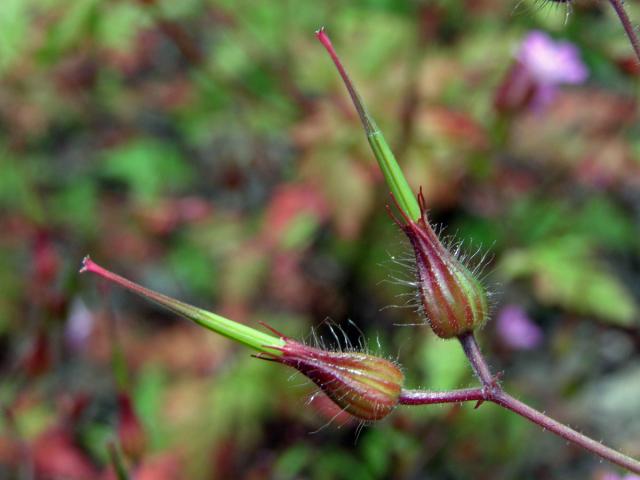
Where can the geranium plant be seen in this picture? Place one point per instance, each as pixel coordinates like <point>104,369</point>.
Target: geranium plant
<point>453,300</point>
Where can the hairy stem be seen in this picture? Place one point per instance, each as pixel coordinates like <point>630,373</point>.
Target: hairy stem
<point>263,342</point>
<point>476,359</point>
<point>426,397</point>
<point>618,6</point>
<point>499,397</point>
<point>492,392</point>
<point>507,401</point>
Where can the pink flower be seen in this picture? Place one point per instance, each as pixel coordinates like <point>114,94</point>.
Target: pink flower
<point>615,476</point>
<point>516,330</point>
<point>550,62</point>
<point>542,65</point>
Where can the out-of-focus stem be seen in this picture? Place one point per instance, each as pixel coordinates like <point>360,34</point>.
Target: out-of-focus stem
<point>618,6</point>
<point>117,462</point>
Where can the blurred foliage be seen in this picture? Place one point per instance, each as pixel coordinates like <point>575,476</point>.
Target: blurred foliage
<point>207,150</point>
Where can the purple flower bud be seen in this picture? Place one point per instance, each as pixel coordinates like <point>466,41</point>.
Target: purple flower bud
<point>366,386</point>
<point>516,330</point>
<point>542,65</point>
<point>615,476</point>
<point>551,62</point>
<point>80,324</point>
<point>453,300</point>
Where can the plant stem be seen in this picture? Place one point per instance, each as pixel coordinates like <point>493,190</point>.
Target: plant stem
<point>507,401</point>
<point>392,172</point>
<point>426,397</point>
<point>618,6</point>
<point>116,460</point>
<point>492,392</point>
<point>499,397</point>
<point>476,359</point>
<point>263,342</point>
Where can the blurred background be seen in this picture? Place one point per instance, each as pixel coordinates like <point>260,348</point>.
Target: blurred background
<point>207,149</point>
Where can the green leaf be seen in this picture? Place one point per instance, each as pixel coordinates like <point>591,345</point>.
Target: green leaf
<point>292,462</point>
<point>120,24</point>
<point>79,18</point>
<point>341,464</point>
<point>75,205</point>
<point>377,452</point>
<point>566,273</point>
<point>147,398</point>
<point>194,267</point>
<point>299,232</point>
<point>614,228</point>
<point>534,220</point>
<point>18,187</point>
<point>444,363</point>
<point>14,22</point>
<point>148,166</point>
<point>94,436</point>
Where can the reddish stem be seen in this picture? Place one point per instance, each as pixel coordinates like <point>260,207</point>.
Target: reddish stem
<point>618,6</point>
<point>507,401</point>
<point>425,397</point>
<point>499,397</point>
<point>476,359</point>
<point>366,120</point>
<point>493,392</point>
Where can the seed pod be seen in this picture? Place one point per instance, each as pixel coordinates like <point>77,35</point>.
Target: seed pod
<point>366,386</point>
<point>454,302</point>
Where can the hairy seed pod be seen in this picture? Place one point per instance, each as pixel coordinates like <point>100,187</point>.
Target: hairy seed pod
<point>453,300</point>
<point>366,386</point>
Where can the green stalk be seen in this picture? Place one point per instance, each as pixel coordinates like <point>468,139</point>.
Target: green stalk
<point>248,336</point>
<point>117,462</point>
<point>393,175</point>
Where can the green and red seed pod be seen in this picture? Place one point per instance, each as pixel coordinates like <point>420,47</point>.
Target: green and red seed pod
<point>453,300</point>
<point>366,386</point>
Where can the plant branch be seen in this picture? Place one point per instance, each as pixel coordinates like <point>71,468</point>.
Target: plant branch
<point>492,392</point>
<point>477,361</point>
<point>396,181</point>
<point>507,401</point>
<point>426,397</point>
<point>499,397</point>
<point>618,6</point>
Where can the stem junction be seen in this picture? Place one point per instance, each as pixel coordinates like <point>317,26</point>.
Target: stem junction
<point>491,391</point>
